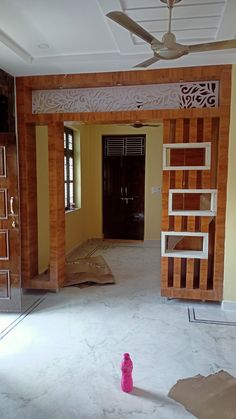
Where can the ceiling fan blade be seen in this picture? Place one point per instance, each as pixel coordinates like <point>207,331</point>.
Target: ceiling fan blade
<point>148,62</point>
<point>213,46</point>
<point>132,26</point>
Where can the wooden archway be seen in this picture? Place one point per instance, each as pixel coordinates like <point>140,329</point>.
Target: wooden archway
<point>215,123</point>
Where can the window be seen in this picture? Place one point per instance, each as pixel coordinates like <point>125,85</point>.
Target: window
<point>69,168</point>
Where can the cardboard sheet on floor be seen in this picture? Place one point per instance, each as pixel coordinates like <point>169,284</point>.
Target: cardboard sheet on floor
<point>91,269</point>
<point>211,397</point>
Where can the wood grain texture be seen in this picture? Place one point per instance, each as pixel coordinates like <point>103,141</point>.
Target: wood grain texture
<point>222,165</point>
<point>28,203</point>
<point>194,294</point>
<point>218,118</point>
<point>56,203</point>
<point>125,78</point>
<point>165,191</point>
<point>192,184</point>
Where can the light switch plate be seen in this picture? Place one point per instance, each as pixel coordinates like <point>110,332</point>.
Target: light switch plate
<point>156,189</point>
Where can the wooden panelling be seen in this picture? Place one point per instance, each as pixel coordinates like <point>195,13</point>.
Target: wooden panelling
<point>222,165</point>
<point>179,279</point>
<point>192,184</point>
<point>174,75</point>
<point>57,204</point>
<point>28,203</point>
<point>205,184</point>
<point>165,188</point>
<point>178,185</point>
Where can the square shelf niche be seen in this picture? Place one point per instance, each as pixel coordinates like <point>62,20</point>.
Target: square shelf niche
<point>182,244</point>
<point>187,156</point>
<point>197,202</point>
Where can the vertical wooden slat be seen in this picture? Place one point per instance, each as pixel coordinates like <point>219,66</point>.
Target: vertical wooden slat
<point>192,177</point>
<point>207,137</point>
<point>57,205</point>
<point>179,133</point>
<point>221,206</point>
<point>165,191</point>
<point>206,184</point>
<point>192,184</point>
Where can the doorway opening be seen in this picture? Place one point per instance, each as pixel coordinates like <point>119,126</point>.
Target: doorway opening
<point>123,186</point>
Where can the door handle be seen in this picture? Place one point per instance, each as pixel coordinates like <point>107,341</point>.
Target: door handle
<point>12,205</point>
<point>126,199</point>
<point>12,213</point>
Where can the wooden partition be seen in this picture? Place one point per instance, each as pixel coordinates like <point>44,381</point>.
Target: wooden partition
<point>196,278</point>
<point>181,277</point>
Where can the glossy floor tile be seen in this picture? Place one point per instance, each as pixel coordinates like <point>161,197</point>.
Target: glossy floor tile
<point>63,360</point>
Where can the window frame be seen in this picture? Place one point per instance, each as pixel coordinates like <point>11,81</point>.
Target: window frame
<point>69,154</point>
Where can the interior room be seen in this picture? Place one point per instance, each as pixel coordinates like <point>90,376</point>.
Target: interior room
<point>86,222</point>
<point>117,209</point>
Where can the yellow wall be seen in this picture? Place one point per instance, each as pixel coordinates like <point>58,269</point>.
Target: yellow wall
<point>42,196</point>
<point>77,222</point>
<point>230,241</point>
<point>86,222</point>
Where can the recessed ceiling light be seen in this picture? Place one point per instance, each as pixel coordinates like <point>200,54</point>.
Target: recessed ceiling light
<point>43,46</point>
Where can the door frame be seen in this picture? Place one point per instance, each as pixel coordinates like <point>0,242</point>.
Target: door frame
<point>144,136</point>
<point>27,156</point>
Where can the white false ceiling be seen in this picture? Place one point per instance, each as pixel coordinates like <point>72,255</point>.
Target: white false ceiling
<point>75,36</point>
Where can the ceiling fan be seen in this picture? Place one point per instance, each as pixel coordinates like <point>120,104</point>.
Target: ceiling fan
<point>167,48</point>
<point>139,124</point>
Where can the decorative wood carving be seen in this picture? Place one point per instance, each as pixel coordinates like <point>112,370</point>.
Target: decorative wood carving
<point>113,99</point>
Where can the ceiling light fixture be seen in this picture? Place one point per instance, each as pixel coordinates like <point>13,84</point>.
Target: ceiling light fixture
<point>43,46</point>
<point>13,46</point>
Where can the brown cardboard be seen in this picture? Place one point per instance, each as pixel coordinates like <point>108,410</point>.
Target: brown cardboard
<point>211,397</point>
<point>92,269</point>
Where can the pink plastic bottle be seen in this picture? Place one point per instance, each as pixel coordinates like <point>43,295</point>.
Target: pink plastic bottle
<point>126,379</point>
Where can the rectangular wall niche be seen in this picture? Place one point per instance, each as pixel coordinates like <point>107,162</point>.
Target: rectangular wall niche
<point>187,156</point>
<point>184,244</point>
<point>198,202</point>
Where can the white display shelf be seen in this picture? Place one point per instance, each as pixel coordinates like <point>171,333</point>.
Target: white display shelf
<point>188,253</point>
<point>203,213</point>
<point>171,146</point>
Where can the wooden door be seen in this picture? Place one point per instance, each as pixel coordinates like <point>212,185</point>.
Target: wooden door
<point>123,187</point>
<point>10,282</point>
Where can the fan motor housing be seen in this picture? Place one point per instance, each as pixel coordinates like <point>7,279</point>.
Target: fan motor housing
<point>170,3</point>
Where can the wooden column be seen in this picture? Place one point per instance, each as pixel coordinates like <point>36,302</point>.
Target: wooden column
<point>28,186</point>
<point>57,204</point>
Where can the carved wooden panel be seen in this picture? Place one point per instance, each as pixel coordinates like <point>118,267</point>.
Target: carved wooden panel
<point>107,99</point>
<point>4,284</point>
<point>3,204</point>
<point>3,167</point>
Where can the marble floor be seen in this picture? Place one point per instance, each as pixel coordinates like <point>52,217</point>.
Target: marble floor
<point>62,361</point>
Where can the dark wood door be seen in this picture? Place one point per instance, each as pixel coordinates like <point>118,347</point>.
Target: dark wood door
<point>10,282</point>
<point>123,189</point>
